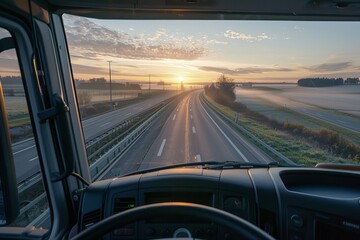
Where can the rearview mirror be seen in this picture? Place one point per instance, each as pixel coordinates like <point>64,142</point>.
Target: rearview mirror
<point>9,207</point>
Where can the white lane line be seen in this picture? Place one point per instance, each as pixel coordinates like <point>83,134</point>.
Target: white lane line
<point>198,158</point>
<point>105,124</point>
<point>141,108</point>
<point>191,116</point>
<point>193,129</point>
<point>227,138</point>
<point>161,147</point>
<point>24,149</point>
<point>33,159</point>
<point>174,117</point>
<point>127,114</point>
<point>340,121</point>
<point>190,109</point>
<point>177,109</point>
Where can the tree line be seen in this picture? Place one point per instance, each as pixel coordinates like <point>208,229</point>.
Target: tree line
<point>326,82</point>
<point>101,83</point>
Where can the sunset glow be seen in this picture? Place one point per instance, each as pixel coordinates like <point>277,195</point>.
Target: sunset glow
<point>246,51</point>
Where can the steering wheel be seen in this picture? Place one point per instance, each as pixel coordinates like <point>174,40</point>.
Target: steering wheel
<point>238,225</point>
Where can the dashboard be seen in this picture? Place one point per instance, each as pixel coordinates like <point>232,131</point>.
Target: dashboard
<point>288,203</point>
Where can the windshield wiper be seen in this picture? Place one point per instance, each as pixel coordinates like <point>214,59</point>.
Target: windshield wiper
<point>214,165</point>
<point>239,165</point>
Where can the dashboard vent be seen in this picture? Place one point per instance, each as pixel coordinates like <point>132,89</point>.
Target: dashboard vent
<point>91,218</point>
<point>122,204</point>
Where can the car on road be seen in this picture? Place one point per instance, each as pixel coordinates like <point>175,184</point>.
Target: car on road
<point>179,119</point>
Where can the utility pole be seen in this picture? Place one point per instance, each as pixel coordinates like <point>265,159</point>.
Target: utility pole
<point>110,82</point>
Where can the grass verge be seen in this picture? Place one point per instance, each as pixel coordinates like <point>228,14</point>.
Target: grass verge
<point>297,149</point>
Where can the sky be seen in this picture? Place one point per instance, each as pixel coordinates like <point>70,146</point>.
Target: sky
<point>200,51</point>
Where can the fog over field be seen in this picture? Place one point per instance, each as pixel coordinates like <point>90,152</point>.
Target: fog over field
<point>340,98</point>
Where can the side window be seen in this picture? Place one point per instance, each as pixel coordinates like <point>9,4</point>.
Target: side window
<point>32,198</point>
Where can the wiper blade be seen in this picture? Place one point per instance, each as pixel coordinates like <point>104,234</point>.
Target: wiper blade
<point>191,164</point>
<point>212,165</point>
<point>239,165</point>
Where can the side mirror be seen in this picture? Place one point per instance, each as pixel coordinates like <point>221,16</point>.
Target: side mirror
<point>9,203</point>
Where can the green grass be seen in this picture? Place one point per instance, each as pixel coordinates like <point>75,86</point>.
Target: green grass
<point>298,150</point>
<point>18,120</point>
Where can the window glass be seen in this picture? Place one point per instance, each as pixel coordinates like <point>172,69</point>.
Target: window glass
<point>248,91</point>
<point>32,197</point>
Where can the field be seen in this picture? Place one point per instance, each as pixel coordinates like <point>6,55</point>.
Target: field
<point>334,108</point>
<point>340,98</point>
<point>17,110</point>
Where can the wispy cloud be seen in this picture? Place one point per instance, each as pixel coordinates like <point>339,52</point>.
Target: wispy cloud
<point>246,37</point>
<point>247,70</point>
<point>88,39</point>
<point>328,67</point>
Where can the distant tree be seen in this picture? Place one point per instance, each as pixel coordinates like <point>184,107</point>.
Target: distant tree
<point>97,80</point>
<point>320,82</point>
<point>226,86</point>
<point>352,81</point>
<point>182,86</point>
<point>222,91</point>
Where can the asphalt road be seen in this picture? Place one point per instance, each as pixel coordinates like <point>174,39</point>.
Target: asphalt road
<point>190,132</point>
<point>25,154</point>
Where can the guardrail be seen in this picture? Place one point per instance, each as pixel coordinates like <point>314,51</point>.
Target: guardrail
<point>107,140</point>
<point>98,167</point>
<point>247,132</point>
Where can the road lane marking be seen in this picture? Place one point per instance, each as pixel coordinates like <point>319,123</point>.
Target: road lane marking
<point>190,109</point>
<point>105,124</point>
<point>174,117</point>
<point>193,129</point>
<point>161,147</point>
<point>33,159</point>
<point>24,149</point>
<point>177,109</point>
<point>127,114</point>
<point>340,121</point>
<point>227,138</point>
<point>141,108</point>
<point>191,116</point>
<point>23,141</point>
<point>198,158</point>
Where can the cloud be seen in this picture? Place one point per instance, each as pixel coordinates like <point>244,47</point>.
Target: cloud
<point>83,69</point>
<point>248,70</point>
<point>328,67</point>
<point>246,37</point>
<point>90,40</point>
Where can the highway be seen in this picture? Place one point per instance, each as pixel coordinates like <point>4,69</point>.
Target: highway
<point>25,154</point>
<point>188,133</point>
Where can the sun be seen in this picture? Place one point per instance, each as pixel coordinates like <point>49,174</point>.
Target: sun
<point>181,78</point>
